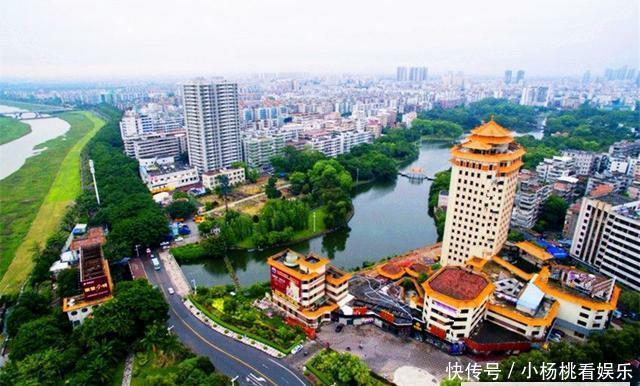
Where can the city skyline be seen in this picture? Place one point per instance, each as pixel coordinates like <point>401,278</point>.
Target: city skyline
<point>155,40</point>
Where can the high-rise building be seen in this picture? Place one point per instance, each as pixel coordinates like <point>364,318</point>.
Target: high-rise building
<point>484,177</point>
<point>607,235</point>
<point>212,119</point>
<point>402,74</point>
<point>418,74</point>
<point>586,77</point>
<point>520,76</point>
<point>507,76</point>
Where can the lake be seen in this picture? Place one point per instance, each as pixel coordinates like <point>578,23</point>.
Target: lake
<point>389,219</point>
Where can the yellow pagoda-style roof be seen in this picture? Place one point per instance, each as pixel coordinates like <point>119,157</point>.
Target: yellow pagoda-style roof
<point>491,129</point>
<point>476,145</point>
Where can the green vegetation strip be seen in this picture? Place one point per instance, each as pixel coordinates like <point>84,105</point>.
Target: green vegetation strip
<point>33,200</point>
<point>240,331</point>
<point>12,129</point>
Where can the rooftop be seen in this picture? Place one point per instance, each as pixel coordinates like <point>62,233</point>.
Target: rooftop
<point>534,250</point>
<point>491,129</point>
<point>95,236</point>
<point>458,283</point>
<point>157,169</point>
<point>615,199</point>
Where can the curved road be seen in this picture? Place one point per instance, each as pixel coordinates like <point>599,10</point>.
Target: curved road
<point>230,357</point>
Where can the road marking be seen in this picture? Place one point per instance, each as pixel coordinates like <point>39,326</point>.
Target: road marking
<point>155,273</point>
<point>289,371</point>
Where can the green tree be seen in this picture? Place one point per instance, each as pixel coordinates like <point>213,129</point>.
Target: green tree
<point>297,181</point>
<point>271,190</point>
<point>224,189</point>
<point>629,301</point>
<point>36,335</point>
<point>515,236</point>
<point>67,282</point>
<point>552,215</point>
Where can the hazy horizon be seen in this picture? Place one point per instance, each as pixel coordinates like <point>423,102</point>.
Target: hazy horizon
<point>78,40</point>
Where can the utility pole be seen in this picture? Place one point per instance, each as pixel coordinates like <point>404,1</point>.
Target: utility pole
<point>95,184</point>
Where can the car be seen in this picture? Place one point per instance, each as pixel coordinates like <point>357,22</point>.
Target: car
<point>555,338</point>
<point>558,332</point>
<point>171,291</point>
<point>339,327</point>
<point>296,349</point>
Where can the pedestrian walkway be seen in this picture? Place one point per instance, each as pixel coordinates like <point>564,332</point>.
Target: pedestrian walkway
<point>179,281</point>
<point>128,369</point>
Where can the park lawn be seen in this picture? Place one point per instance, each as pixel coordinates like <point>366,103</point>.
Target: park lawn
<point>29,106</point>
<point>34,200</point>
<point>12,129</point>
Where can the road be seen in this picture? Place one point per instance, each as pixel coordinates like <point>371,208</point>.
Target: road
<point>230,357</point>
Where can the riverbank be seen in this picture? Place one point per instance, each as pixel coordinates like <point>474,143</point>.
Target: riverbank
<point>12,129</point>
<point>34,199</point>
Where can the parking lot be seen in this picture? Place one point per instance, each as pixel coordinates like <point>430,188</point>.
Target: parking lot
<point>385,353</point>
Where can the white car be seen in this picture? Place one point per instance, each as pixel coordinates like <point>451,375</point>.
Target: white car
<point>171,291</point>
<point>296,349</point>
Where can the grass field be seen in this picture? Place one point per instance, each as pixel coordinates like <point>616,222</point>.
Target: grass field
<point>30,106</point>
<point>33,200</point>
<point>11,129</point>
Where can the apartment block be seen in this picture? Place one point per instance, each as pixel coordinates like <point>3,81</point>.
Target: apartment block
<point>212,120</point>
<point>210,180</point>
<point>550,169</point>
<point>607,236</point>
<point>530,196</point>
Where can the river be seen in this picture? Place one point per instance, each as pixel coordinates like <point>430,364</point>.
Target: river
<point>389,219</point>
<point>14,154</point>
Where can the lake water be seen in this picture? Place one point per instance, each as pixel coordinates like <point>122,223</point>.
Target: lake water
<point>389,219</point>
<point>14,154</point>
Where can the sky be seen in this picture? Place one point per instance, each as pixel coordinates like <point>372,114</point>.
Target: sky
<point>81,40</point>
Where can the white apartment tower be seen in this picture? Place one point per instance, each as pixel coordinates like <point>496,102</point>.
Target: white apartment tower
<point>484,177</point>
<point>212,119</point>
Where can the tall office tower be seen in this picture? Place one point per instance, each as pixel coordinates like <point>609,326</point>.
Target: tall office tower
<point>507,76</point>
<point>484,177</point>
<point>212,119</point>
<point>606,237</point>
<point>520,76</point>
<point>586,77</point>
<point>401,74</point>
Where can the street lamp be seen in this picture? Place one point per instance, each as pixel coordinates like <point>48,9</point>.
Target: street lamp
<point>137,252</point>
<point>95,184</point>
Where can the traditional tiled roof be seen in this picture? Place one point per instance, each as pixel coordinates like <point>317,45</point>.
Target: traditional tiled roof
<point>491,129</point>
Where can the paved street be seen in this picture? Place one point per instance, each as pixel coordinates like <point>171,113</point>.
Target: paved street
<point>252,367</point>
<point>385,352</point>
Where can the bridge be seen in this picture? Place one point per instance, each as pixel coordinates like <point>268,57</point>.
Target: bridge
<point>28,115</point>
<point>416,173</point>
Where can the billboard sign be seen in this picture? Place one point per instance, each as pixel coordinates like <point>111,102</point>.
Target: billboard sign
<point>96,288</point>
<point>285,285</point>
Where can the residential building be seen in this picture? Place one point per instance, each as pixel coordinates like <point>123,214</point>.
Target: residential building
<point>210,180</point>
<point>584,161</point>
<point>530,196</point>
<point>402,74</point>
<point>307,288</point>
<point>607,236</point>
<point>212,120</point>
<point>550,169</point>
<point>481,194</point>
<point>166,174</point>
<point>520,76</point>
<point>150,145</point>
<point>625,149</point>
<point>258,150</point>
<point>619,181</point>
